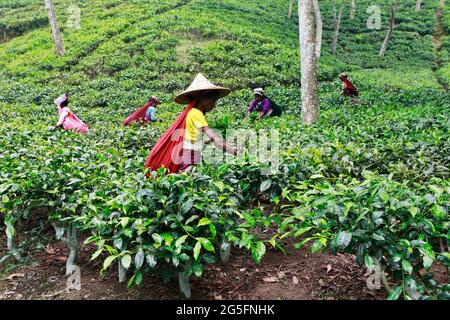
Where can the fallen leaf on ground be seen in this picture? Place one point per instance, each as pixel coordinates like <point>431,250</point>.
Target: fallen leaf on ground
<point>328,268</point>
<point>295,280</point>
<point>61,259</point>
<point>16,275</point>
<point>270,279</point>
<point>49,249</point>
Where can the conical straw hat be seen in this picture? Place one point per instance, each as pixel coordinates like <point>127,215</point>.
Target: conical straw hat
<point>198,86</point>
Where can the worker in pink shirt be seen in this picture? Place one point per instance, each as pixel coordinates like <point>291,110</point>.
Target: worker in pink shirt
<point>67,119</point>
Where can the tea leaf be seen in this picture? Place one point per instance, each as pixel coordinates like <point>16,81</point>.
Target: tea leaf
<point>126,261</point>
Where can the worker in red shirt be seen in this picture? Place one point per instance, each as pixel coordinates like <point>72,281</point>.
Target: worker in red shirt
<point>348,89</point>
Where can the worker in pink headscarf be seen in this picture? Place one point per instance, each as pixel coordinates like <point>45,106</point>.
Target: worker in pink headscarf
<point>67,119</point>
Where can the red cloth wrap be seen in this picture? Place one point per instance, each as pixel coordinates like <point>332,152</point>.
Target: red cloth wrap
<point>73,122</point>
<point>138,115</point>
<point>349,88</point>
<point>167,151</point>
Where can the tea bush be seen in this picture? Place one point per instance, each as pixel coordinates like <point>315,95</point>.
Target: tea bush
<point>370,179</point>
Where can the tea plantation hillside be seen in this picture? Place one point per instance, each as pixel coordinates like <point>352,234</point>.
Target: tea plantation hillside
<point>370,179</point>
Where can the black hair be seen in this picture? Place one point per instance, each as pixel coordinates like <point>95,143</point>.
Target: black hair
<point>64,103</point>
<point>213,94</point>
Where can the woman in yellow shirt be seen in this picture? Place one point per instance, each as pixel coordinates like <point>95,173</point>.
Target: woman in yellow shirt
<point>206,95</point>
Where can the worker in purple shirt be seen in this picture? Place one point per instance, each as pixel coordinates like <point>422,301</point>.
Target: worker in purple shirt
<point>261,104</point>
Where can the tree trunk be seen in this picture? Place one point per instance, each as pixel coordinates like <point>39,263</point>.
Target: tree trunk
<point>72,241</point>
<point>319,28</point>
<point>225,251</point>
<point>391,27</point>
<point>352,9</point>
<point>183,281</point>
<point>12,248</point>
<point>291,7</point>
<point>418,5</point>
<point>59,47</point>
<point>308,61</point>
<point>337,26</point>
<point>122,272</point>
<point>334,12</point>
<point>384,280</point>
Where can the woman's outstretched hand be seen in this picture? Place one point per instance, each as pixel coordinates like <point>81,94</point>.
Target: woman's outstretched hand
<point>240,150</point>
<point>208,140</point>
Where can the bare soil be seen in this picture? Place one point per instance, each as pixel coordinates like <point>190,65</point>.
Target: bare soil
<point>299,275</point>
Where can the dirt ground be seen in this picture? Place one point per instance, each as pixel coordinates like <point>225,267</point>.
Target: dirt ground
<point>299,275</point>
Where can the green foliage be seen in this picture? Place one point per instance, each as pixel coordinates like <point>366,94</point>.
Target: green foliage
<point>370,179</point>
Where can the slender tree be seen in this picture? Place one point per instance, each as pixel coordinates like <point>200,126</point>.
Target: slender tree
<point>319,27</point>
<point>59,47</point>
<point>418,5</point>
<point>337,26</point>
<point>291,7</point>
<point>352,9</point>
<point>310,107</point>
<point>391,27</point>
<point>334,12</point>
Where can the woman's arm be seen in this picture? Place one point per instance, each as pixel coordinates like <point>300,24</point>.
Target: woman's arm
<point>219,142</point>
<point>252,106</point>
<point>62,117</point>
